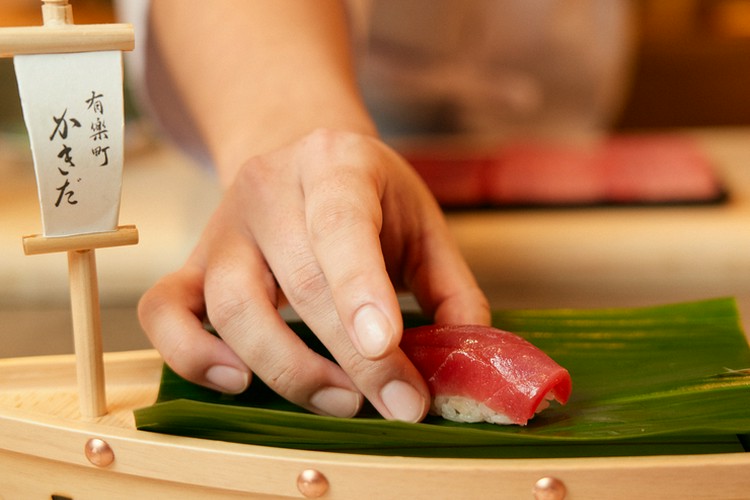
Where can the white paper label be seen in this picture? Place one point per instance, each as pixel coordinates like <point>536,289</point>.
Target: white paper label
<point>73,108</point>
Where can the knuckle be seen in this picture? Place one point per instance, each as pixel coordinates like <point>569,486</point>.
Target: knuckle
<point>332,217</point>
<point>149,305</point>
<point>155,303</point>
<point>320,137</point>
<point>323,139</point>
<point>287,378</point>
<point>179,357</point>
<point>228,309</point>
<point>357,366</point>
<point>305,285</point>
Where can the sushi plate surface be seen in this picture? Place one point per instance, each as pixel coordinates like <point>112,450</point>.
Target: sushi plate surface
<point>46,449</point>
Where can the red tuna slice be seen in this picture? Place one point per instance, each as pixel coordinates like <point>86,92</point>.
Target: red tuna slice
<point>484,374</point>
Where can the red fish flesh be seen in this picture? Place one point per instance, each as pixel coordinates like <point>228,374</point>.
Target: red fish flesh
<point>478,373</point>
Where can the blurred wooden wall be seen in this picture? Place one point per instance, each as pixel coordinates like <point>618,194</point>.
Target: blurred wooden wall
<point>692,66</point>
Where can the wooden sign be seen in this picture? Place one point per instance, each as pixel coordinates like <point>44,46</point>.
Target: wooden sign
<point>70,83</point>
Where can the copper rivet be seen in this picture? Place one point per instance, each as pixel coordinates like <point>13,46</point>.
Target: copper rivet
<point>549,488</point>
<point>312,483</point>
<point>99,452</point>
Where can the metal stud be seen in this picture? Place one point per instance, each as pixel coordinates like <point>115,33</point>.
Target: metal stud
<point>549,488</point>
<point>312,483</point>
<point>99,452</point>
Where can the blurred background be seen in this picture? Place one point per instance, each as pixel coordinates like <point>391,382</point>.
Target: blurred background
<point>681,67</point>
<point>690,66</point>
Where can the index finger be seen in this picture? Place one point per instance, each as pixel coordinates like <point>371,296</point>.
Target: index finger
<point>344,219</point>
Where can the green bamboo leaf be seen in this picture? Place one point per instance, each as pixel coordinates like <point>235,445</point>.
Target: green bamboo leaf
<point>657,380</point>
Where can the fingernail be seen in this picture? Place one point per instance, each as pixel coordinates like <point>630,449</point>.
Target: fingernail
<point>336,402</point>
<point>403,401</point>
<point>373,330</point>
<point>228,379</point>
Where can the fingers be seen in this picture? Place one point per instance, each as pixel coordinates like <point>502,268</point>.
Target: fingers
<point>326,284</point>
<point>240,299</point>
<point>326,218</point>
<point>391,384</point>
<point>241,303</point>
<point>442,282</point>
<point>331,235</point>
<point>432,265</point>
<point>344,218</point>
<point>170,314</point>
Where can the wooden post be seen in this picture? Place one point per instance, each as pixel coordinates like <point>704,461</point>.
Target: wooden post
<point>60,35</point>
<point>84,306</point>
<point>87,332</point>
<point>56,12</point>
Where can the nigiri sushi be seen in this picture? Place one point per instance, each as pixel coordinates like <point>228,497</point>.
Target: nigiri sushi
<point>478,373</point>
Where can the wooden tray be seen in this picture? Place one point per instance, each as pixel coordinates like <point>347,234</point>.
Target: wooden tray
<point>43,453</point>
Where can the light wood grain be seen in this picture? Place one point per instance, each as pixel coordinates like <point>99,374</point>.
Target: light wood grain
<point>85,308</point>
<point>47,385</point>
<point>65,38</point>
<point>87,332</point>
<point>41,451</point>
<point>38,244</point>
<point>57,12</point>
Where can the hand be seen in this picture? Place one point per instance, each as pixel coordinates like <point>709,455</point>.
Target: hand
<point>333,223</point>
